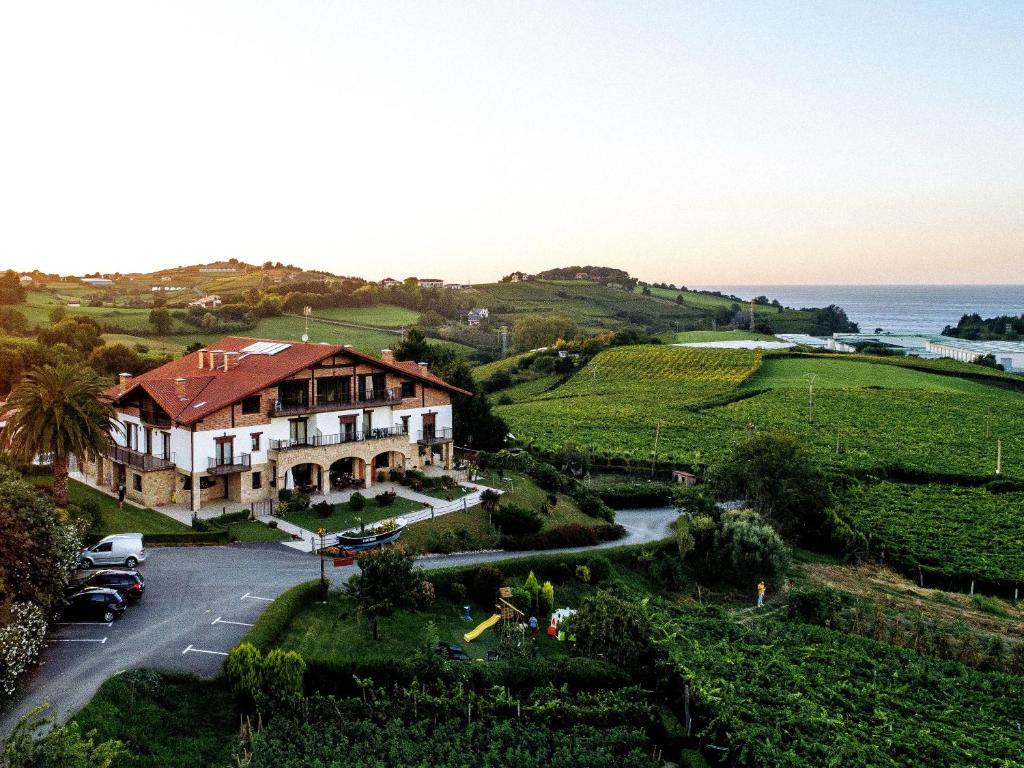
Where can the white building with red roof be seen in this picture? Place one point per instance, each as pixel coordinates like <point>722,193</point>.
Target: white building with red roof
<point>243,418</point>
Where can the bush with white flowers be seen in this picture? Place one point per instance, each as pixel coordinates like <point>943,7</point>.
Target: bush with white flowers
<point>21,639</point>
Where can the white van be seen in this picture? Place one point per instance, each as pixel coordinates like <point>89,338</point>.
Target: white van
<point>119,549</point>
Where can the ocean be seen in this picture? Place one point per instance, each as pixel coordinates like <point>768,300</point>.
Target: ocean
<point>924,309</point>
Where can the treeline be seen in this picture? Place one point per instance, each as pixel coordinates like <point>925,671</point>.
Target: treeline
<point>974,328</point>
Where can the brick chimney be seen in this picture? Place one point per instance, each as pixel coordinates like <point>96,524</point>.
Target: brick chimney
<point>212,364</point>
<point>387,356</point>
<point>425,367</point>
<point>229,360</point>
<point>202,359</point>
<point>124,380</point>
<point>179,388</point>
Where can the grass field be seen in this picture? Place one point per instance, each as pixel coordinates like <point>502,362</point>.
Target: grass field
<point>472,529</point>
<point>385,316</point>
<point>113,520</point>
<point>337,632</point>
<point>155,345</point>
<point>694,337</point>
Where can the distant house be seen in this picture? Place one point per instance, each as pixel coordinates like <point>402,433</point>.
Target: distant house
<point>158,288</point>
<point>431,282</point>
<point>74,304</point>
<point>212,300</point>
<point>473,319</point>
<point>217,269</point>
<point>97,281</point>
<point>390,282</point>
<point>454,286</point>
<point>582,276</point>
<point>518,277</point>
<point>483,312</point>
<point>685,478</point>
<point>25,279</point>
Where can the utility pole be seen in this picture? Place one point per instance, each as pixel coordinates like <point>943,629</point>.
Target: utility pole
<point>810,396</point>
<point>999,457</point>
<point>504,340</point>
<point>306,312</point>
<point>751,314</point>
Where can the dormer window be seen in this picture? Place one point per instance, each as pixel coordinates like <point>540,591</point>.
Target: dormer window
<point>251,405</point>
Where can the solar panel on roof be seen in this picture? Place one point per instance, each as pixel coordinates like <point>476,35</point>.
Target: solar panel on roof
<point>265,347</point>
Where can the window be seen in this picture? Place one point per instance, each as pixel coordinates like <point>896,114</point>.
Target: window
<point>256,440</point>
<point>251,405</point>
<point>137,482</point>
<point>133,436</point>
<point>408,389</point>
<point>257,480</point>
<point>333,390</point>
<point>106,546</point>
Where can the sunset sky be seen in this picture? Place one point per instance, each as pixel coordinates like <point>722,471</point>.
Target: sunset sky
<point>685,142</point>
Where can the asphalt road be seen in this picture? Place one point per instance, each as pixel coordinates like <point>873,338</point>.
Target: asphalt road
<point>199,601</point>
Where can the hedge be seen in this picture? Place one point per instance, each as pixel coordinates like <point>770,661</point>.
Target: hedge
<point>275,619</point>
<point>572,535</point>
<point>187,538</point>
<point>636,494</point>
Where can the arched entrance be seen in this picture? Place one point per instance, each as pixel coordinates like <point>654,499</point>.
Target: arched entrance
<point>306,478</point>
<point>386,461</point>
<point>347,472</point>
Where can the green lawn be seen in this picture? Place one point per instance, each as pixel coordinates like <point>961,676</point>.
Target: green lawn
<point>128,520</point>
<point>155,345</point>
<point>344,518</point>
<point>385,315</point>
<point>250,530</point>
<point>336,632</point>
<point>447,494</point>
<point>164,720</point>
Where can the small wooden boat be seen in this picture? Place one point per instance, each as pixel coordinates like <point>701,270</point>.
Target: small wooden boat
<point>372,535</point>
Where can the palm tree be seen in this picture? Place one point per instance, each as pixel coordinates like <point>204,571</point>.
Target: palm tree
<point>61,411</point>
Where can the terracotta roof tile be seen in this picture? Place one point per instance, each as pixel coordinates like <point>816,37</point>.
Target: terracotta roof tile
<point>204,392</point>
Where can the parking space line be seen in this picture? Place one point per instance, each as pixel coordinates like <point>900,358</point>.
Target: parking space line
<point>248,596</point>
<point>76,623</point>
<point>200,650</point>
<point>77,640</point>
<point>219,620</point>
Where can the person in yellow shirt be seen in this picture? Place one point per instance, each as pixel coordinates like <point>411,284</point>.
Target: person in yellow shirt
<point>760,594</point>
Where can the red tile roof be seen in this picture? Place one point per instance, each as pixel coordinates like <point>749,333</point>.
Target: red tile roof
<point>203,392</point>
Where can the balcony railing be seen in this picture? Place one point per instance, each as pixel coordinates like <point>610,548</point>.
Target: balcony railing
<point>434,436</point>
<point>320,404</point>
<point>318,440</point>
<point>147,462</point>
<point>226,465</point>
<point>154,419</point>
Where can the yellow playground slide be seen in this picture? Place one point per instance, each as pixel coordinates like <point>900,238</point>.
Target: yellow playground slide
<point>481,628</point>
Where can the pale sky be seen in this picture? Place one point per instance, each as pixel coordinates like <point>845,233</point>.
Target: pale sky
<point>695,143</point>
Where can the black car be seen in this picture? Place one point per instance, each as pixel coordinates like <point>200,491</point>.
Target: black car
<point>92,603</point>
<point>128,583</point>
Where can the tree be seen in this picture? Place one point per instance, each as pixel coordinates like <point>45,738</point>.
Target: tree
<point>160,319</point>
<point>542,330</point>
<point>118,358</point>
<point>11,289</point>
<point>747,549</point>
<point>78,332</point>
<point>386,581</point>
<point>618,630</point>
<point>59,411</point>
<point>63,746</point>
<point>775,476</point>
<point>12,322</point>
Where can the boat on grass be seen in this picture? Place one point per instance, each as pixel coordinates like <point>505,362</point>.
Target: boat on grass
<point>383,532</point>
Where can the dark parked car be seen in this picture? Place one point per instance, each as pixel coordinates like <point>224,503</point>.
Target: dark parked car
<point>92,603</point>
<point>128,583</point>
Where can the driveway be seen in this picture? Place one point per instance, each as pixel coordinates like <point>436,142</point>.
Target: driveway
<point>199,602</point>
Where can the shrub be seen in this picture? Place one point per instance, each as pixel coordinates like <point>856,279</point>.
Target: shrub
<point>323,508</point>
<point>816,605</point>
<point>385,499</point>
<point>423,595</point>
<point>486,583</point>
<point>631,495</point>
<point>299,503</point>
<point>572,535</point>
<point>547,599</point>
<point>21,639</point>
<point>243,668</point>
<point>522,599</point>
<point>747,549</point>
<point>458,591</point>
<point>357,502</point>
<point>272,524</point>
<point>285,495</point>
<point>281,676</point>
<point>275,619</point>
<point>533,587</point>
<point>513,520</point>
<point>617,630</point>
<point>559,572</point>
<point>583,573</point>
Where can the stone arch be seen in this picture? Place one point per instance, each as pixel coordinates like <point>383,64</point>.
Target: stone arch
<point>387,460</point>
<point>346,471</point>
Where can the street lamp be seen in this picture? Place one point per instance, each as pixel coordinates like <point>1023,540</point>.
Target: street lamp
<point>322,532</point>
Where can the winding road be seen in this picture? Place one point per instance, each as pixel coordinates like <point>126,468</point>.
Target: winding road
<point>199,602</point>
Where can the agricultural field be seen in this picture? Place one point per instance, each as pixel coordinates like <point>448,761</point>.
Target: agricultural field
<point>964,533</point>
<point>695,337</point>
<point>384,316</point>
<point>775,693</point>
<point>880,415</point>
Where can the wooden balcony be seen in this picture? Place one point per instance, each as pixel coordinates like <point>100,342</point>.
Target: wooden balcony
<point>142,461</point>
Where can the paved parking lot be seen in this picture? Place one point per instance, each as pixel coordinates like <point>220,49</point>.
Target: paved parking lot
<point>199,601</point>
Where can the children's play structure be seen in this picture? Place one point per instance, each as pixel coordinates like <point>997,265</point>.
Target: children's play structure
<point>504,611</point>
